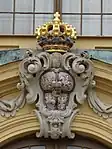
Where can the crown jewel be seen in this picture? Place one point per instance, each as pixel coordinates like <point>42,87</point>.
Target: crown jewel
<point>56,35</point>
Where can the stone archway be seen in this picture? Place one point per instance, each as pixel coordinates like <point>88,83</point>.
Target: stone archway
<point>31,142</point>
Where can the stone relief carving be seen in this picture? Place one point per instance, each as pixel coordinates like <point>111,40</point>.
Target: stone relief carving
<point>102,109</point>
<point>57,82</point>
<point>9,108</point>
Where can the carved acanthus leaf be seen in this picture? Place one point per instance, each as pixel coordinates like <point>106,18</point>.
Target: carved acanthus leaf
<point>82,70</point>
<point>57,83</point>
<point>9,108</point>
<point>102,109</point>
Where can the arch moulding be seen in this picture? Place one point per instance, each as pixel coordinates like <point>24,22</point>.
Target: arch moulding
<point>26,124</point>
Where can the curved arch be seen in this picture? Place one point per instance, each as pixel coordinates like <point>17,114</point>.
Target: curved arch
<point>93,128</point>
<point>28,142</point>
<point>9,77</point>
<point>27,123</point>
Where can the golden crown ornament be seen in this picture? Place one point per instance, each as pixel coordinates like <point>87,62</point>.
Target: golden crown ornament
<point>56,35</point>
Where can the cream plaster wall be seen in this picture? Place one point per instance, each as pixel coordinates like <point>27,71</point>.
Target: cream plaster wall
<point>82,42</point>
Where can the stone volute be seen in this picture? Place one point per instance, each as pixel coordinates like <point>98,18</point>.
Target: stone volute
<point>56,80</point>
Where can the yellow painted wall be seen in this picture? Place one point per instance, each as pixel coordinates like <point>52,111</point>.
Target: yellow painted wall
<point>82,42</point>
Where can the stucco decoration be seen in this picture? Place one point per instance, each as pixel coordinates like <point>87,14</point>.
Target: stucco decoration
<point>102,109</point>
<point>57,81</point>
<point>9,107</point>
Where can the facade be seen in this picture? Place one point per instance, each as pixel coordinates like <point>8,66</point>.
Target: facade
<point>55,85</point>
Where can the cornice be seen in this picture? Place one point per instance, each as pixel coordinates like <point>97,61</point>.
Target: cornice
<point>103,70</point>
<point>93,127</point>
<point>9,77</point>
<point>9,70</point>
<point>28,123</point>
<point>104,85</point>
<point>17,126</point>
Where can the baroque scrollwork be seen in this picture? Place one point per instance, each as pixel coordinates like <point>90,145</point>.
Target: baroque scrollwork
<point>9,108</point>
<point>102,109</point>
<point>57,81</point>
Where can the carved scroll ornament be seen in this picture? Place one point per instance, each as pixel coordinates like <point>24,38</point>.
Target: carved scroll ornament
<point>57,82</point>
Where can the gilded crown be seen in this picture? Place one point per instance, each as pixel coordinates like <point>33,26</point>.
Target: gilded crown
<point>56,35</point>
